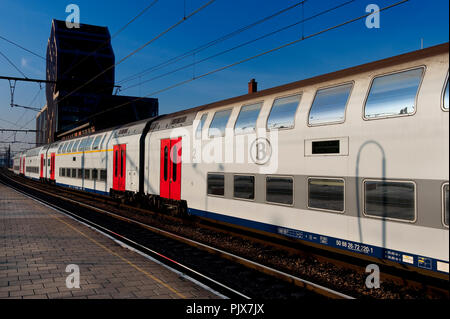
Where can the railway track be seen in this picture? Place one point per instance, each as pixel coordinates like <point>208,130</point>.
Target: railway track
<point>231,275</point>
<point>411,285</point>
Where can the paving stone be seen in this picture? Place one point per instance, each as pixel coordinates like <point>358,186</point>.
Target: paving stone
<point>38,244</point>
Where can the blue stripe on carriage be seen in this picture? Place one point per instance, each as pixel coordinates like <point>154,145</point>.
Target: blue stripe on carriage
<point>84,189</point>
<point>422,262</point>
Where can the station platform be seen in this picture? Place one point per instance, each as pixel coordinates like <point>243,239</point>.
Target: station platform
<point>37,243</point>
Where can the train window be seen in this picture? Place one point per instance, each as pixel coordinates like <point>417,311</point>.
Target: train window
<point>82,145</point>
<point>390,199</point>
<point>280,190</point>
<point>445,104</point>
<point>393,94</point>
<point>326,194</point>
<point>283,111</point>
<point>96,143</point>
<point>445,204</point>
<point>122,159</point>
<point>94,174</point>
<point>103,175</point>
<point>219,123</point>
<point>75,146</point>
<point>69,147</point>
<point>80,173</point>
<point>198,132</point>
<point>63,149</point>
<point>63,172</point>
<point>89,143</point>
<point>74,172</point>
<point>216,184</point>
<point>166,162</point>
<point>87,174</point>
<point>116,154</point>
<point>329,105</point>
<point>103,141</point>
<point>244,187</point>
<point>60,147</point>
<point>246,121</point>
<point>325,147</point>
<point>174,163</point>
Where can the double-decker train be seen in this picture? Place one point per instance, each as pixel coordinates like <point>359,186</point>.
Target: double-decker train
<point>355,161</point>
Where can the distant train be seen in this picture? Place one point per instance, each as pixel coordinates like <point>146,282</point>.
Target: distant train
<point>353,161</point>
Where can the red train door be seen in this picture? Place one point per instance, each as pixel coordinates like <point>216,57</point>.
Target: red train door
<point>119,165</point>
<point>42,166</point>
<point>170,171</point>
<point>52,166</point>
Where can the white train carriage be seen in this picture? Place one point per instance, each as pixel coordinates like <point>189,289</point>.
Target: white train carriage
<point>358,160</point>
<point>16,163</point>
<point>124,162</point>
<point>33,163</point>
<point>82,163</point>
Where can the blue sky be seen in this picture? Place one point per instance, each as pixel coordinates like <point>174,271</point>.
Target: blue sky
<point>28,23</point>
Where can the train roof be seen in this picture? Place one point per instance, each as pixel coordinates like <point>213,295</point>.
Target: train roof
<point>402,58</point>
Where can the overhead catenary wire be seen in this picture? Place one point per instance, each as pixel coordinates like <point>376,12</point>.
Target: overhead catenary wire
<point>23,48</point>
<point>239,46</point>
<point>12,63</point>
<point>139,49</point>
<point>303,38</point>
<point>208,44</point>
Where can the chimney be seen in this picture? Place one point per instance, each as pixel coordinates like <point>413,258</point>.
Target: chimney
<point>252,86</point>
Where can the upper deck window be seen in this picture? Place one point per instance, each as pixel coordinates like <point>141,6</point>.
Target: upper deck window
<point>445,105</point>
<point>393,94</point>
<point>69,147</point>
<point>75,146</point>
<point>63,150</point>
<point>82,144</point>
<point>89,141</point>
<point>283,112</point>
<point>198,133</point>
<point>246,121</point>
<point>96,143</point>
<point>219,123</point>
<point>60,147</point>
<point>329,105</point>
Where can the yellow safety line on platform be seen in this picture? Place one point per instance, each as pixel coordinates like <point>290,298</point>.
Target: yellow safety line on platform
<point>123,258</point>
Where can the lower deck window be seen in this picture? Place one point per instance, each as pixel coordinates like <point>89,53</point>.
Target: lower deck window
<point>103,175</point>
<point>327,194</point>
<point>445,202</point>
<point>63,172</point>
<point>94,174</point>
<point>390,199</point>
<point>87,174</point>
<point>244,187</point>
<point>216,184</point>
<point>74,172</point>
<point>280,190</point>
<point>80,173</point>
